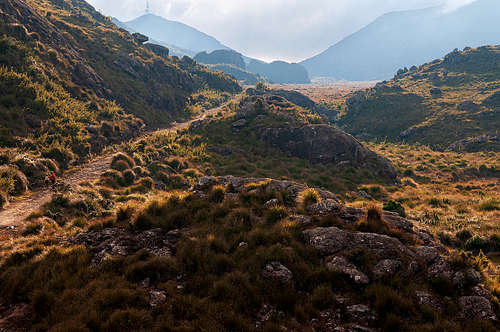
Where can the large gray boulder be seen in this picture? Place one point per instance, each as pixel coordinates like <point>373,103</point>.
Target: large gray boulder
<point>342,265</point>
<point>321,143</point>
<point>332,240</point>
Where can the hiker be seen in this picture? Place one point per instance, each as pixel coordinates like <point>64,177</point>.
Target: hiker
<point>53,178</point>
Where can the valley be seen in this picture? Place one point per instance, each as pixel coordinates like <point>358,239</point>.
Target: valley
<point>192,194</point>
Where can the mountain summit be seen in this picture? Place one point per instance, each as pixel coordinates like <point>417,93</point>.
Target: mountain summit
<point>406,38</point>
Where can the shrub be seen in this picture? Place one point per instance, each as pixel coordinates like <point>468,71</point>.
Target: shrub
<point>128,177</point>
<point>121,162</point>
<point>129,319</point>
<point>275,214</point>
<point>476,243</point>
<point>177,181</point>
<point>217,194</point>
<point>395,206</point>
<point>464,235</point>
<point>323,297</point>
<point>143,186</point>
<point>61,154</point>
<point>120,165</point>
<point>436,202</point>
<point>125,213</point>
<point>308,197</point>
<point>4,199</point>
<point>13,181</point>
<point>373,222</point>
<point>490,205</point>
<point>33,229</point>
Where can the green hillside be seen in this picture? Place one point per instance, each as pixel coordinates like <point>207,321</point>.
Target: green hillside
<point>449,103</point>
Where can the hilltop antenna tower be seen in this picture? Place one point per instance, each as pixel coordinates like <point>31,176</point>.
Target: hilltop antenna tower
<point>148,11</point>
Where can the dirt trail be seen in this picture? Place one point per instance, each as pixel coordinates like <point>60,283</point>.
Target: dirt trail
<point>17,211</point>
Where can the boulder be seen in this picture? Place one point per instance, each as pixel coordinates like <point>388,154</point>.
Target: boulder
<point>140,38</point>
<point>277,271</point>
<point>386,268</point>
<point>360,313</point>
<point>325,207</point>
<point>157,297</point>
<point>271,203</point>
<point>326,144</point>
<point>119,242</point>
<point>428,254</point>
<point>476,307</point>
<point>425,299</point>
<point>342,265</point>
<point>301,220</point>
<point>332,240</point>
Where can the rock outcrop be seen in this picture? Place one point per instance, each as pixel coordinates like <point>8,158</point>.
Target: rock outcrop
<point>327,144</point>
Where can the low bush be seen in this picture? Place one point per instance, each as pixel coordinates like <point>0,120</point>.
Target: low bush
<point>217,194</point>
<point>395,206</point>
<point>128,177</point>
<point>308,197</point>
<point>61,154</point>
<point>121,162</point>
<point>476,243</point>
<point>275,214</point>
<point>490,205</point>
<point>4,199</point>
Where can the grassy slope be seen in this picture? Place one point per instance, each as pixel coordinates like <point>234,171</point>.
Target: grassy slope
<point>406,102</point>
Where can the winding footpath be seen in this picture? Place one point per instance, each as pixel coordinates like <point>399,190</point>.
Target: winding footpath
<point>15,214</point>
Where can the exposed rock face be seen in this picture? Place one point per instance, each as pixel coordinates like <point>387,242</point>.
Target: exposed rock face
<point>327,144</point>
<point>386,268</point>
<point>227,57</point>
<point>237,184</point>
<point>277,271</point>
<point>332,240</point>
<point>159,50</point>
<point>476,307</point>
<point>140,38</point>
<point>119,242</point>
<point>342,265</point>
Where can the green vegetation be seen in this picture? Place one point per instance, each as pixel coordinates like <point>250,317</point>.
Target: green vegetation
<point>461,110</point>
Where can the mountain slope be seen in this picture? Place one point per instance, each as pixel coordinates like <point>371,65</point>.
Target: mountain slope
<point>174,33</point>
<point>400,39</point>
<point>72,83</point>
<point>451,103</point>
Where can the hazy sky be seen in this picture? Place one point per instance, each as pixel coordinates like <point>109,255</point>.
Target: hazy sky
<point>271,29</point>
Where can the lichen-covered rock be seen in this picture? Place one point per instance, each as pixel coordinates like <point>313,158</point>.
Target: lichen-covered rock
<point>277,271</point>
<point>332,240</point>
<point>325,207</point>
<point>425,299</point>
<point>476,307</point>
<point>361,313</point>
<point>119,242</point>
<point>386,268</point>
<point>342,265</point>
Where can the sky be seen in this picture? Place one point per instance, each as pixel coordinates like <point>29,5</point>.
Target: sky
<point>290,30</point>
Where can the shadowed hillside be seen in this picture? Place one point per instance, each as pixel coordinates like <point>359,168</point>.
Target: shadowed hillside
<point>449,104</point>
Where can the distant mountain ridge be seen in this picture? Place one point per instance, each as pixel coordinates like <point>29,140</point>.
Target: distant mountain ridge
<point>175,33</point>
<point>403,39</point>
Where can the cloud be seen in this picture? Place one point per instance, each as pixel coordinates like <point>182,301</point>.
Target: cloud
<point>271,29</point>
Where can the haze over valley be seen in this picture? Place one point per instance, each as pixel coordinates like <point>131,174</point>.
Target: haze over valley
<point>196,165</point>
